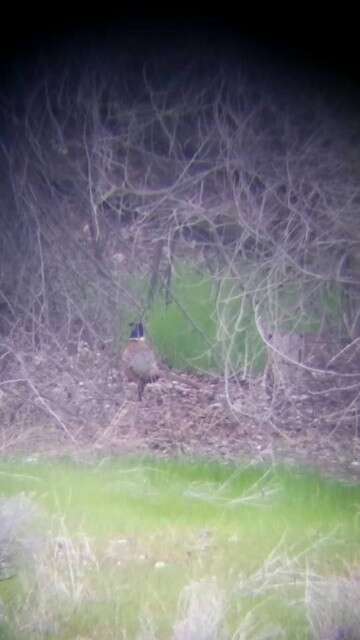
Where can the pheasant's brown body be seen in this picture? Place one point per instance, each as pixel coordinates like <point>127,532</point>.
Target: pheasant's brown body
<point>139,364</point>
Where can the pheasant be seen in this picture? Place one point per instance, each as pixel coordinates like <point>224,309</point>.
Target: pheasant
<point>139,360</point>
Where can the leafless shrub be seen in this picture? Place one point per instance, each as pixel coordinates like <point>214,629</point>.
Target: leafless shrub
<point>58,585</point>
<point>20,541</point>
<point>110,181</point>
<point>333,607</point>
<point>201,612</point>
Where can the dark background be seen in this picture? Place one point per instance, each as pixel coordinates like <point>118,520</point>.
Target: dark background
<point>323,48</point>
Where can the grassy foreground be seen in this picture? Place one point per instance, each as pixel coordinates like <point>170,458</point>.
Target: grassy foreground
<point>177,550</point>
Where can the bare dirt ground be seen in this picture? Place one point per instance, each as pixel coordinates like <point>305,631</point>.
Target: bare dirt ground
<point>186,415</point>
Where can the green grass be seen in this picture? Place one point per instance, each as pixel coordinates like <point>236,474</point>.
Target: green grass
<point>206,327</point>
<point>210,326</point>
<point>185,330</point>
<point>305,307</point>
<point>133,544</point>
<point>210,323</point>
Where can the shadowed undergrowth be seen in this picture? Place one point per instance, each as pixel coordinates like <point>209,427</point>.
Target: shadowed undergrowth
<point>184,550</point>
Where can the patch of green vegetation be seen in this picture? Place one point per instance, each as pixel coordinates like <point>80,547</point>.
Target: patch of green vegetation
<point>5,632</point>
<point>185,330</point>
<point>136,543</point>
<point>242,349</point>
<point>303,309</point>
<point>207,327</point>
